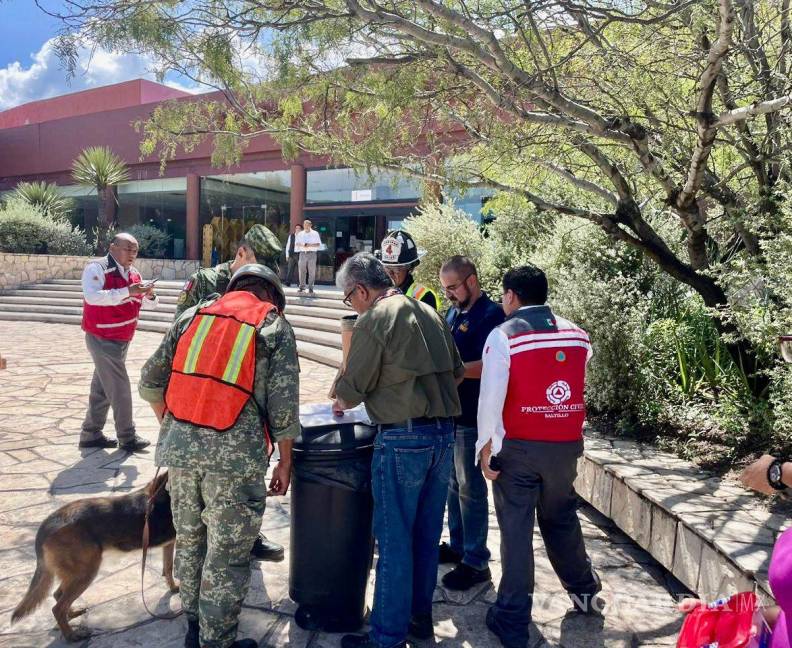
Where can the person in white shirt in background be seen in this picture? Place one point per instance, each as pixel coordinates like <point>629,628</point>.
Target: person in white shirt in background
<point>307,244</point>
<point>530,434</point>
<point>113,294</point>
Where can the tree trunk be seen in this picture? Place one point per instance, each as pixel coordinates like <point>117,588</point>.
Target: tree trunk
<point>740,349</point>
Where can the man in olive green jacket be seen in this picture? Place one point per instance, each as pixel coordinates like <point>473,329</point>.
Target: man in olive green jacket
<point>259,245</point>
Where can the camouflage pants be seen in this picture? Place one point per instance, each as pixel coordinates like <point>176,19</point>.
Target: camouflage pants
<point>217,517</point>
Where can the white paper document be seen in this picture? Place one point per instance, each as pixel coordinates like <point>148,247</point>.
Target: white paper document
<point>319,414</point>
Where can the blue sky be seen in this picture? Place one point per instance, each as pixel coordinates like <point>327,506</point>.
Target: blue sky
<point>29,69</point>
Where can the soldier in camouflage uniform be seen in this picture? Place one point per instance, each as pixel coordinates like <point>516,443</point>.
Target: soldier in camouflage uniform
<point>217,479</point>
<point>259,245</point>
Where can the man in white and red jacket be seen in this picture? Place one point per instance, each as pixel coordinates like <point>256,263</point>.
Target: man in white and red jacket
<point>530,435</point>
<point>113,294</point>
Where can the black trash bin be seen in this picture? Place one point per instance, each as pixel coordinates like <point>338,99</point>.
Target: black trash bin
<point>331,540</point>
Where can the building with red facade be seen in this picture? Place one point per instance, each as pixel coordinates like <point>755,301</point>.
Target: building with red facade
<point>41,139</point>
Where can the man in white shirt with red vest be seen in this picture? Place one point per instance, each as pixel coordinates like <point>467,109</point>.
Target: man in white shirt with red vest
<point>530,435</point>
<point>113,294</point>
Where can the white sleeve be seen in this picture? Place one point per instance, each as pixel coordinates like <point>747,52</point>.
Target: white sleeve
<point>92,284</point>
<point>298,243</point>
<point>149,304</point>
<point>494,383</point>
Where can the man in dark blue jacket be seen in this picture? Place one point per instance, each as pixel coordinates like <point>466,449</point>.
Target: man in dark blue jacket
<point>471,317</point>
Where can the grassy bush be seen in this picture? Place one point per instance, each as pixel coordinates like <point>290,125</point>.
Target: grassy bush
<point>25,229</point>
<point>153,242</point>
<point>442,230</point>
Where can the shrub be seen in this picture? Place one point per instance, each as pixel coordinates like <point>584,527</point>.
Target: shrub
<point>25,229</point>
<point>45,196</point>
<point>442,230</point>
<point>153,242</point>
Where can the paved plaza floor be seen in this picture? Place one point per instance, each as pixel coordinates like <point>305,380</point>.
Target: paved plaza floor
<point>43,395</point>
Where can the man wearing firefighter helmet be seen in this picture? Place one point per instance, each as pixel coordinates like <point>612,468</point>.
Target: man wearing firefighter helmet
<point>400,256</point>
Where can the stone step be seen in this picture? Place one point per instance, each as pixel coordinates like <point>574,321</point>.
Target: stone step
<point>320,346</point>
<point>313,323</point>
<point>165,306</point>
<point>303,322</point>
<point>75,285</point>
<point>44,292</point>
<point>156,315</point>
<point>322,338</point>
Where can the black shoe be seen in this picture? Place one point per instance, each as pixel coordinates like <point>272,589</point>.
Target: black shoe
<point>588,603</point>
<point>463,577</point>
<point>421,627</point>
<point>506,642</point>
<point>311,293</point>
<point>363,641</point>
<point>191,638</point>
<point>101,442</point>
<point>134,444</point>
<point>268,550</point>
<point>245,643</point>
<point>448,555</point>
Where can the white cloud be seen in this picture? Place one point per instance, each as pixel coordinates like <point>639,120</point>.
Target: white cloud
<point>45,76</point>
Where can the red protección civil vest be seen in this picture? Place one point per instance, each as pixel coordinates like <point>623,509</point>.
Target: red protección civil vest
<point>215,362</point>
<point>544,400</point>
<point>114,322</point>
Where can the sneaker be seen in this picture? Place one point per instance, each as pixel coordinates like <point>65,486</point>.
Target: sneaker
<point>363,641</point>
<point>301,289</point>
<point>191,639</point>
<point>311,292</point>
<point>448,555</point>
<point>421,627</point>
<point>264,549</point>
<point>506,642</point>
<point>463,577</point>
<point>100,442</point>
<point>135,444</point>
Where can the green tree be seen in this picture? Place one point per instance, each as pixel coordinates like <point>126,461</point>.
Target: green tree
<point>46,196</point>
<point>99,168</point>
<point>615,113</point>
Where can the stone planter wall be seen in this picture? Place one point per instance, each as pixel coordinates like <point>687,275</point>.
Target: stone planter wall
<point>20,269</point>
<point>713,535</point>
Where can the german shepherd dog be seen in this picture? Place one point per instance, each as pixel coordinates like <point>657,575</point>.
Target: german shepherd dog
<point>70,543</point>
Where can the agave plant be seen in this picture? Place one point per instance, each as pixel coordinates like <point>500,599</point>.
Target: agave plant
<point>101,169</point>
<point>46,196</point>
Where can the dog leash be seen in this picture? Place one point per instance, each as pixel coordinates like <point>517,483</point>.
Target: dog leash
<point>145,543</point>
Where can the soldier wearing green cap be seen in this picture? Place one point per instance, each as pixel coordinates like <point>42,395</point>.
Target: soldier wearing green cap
<point>259,245</point>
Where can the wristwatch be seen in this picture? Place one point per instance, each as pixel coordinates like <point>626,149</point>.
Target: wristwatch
<point>774,474</point>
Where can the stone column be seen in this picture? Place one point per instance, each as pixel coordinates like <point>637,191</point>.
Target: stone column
<point>297,200</point>
<point>192,227</point>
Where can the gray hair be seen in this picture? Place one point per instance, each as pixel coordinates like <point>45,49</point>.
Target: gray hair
<point>365,269</point>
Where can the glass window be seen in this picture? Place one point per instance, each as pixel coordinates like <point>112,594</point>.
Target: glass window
<point>232,203</point>
<point>472,201</point>
<point>347,185</point>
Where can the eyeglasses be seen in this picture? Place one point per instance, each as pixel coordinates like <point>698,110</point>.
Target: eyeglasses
<point>455,287</point>
<point>348,297</point>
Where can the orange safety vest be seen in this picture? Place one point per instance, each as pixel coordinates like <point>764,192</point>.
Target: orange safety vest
<point>215,362</point>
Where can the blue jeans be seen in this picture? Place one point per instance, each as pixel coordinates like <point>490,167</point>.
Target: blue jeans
<point>468,510</point>
<point>409,476</point>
